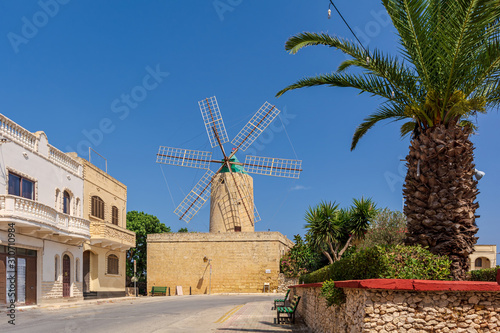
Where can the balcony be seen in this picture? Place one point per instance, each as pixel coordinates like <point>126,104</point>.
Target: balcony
<point>36,219</point>
<point>112,236</point>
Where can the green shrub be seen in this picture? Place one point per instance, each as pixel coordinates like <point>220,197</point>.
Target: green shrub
<point>393,262</point>
<point>485,274</point>
<point>333,295</point>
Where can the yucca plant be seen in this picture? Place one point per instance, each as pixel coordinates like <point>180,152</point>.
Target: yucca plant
<point>448,72</point>
<point>332,230</point>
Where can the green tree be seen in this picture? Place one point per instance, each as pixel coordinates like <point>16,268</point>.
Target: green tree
<point>332,229</point>
<point>387,228</point>
<point>301,259</point>
<point>183,230</point>
<point>449,73</point>
<point>142,224</point>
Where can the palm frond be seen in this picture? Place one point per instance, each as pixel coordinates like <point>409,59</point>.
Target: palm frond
<point>386,111</point>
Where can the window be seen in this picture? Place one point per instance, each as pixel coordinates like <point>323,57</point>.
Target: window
<point>56,269</point>
<point>21,187</point>
<point>66,202</point>
<point>112,264</point>
<point>114,215</point>
<point>479,262</point>
<point>97,207</point>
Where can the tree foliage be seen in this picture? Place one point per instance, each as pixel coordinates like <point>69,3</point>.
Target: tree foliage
<point>387,228</point>
<point>449,72</point>
<point>301,259</point>
<point>142,224</point>
<point>332,229</point>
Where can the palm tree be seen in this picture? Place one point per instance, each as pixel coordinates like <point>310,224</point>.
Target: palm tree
<point>449,72</point>
<point>332,230</point>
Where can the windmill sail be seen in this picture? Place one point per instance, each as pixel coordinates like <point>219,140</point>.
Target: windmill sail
<point>255,126</point>
<point>212,119</point>
<point>271,166</point>
<point>196,198</point>
<point>184,157</point>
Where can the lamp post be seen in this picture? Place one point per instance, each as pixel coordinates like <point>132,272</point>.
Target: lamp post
<point>205,259</point>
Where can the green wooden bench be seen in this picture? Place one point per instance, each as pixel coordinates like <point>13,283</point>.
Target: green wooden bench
<point>289,311</point>
<point>155,290</point>
<point>280,301</point>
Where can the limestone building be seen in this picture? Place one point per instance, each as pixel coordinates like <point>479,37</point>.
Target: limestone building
<point>104,255</point>
<point>42,227</point>
<point>484,256</point>
<point>235,262</point>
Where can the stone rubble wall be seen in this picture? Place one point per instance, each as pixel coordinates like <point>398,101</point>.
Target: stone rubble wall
<point>375,310</point>
<point>284,282</point>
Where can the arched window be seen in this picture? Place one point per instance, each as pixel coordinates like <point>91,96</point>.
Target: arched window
<point>77,270</point>
<point>114,215</point>
<point>479,262</point>
<point>56,268</point>
<point>97,207</point>
<point>66,202</point>
<point>112,264</point>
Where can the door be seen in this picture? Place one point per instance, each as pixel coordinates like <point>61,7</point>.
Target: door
<point>30,280</point>
<point>3,279</point>
<point>66,276</point>
<point>86,271</point>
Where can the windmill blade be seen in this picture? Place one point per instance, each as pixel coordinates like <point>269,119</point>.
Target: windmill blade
<point>184,157</point>
<point>270,166</point>
<point>212,119</point>
<point>195,199</point>
<point>259,122</point>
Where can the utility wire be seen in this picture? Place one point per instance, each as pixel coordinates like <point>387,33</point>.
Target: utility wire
<point>347,24</point>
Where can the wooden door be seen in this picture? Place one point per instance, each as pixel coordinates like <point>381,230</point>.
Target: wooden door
<point>86,271</point>
<point>3,279</point>
<point>30,280</point>
<point>66,276</point>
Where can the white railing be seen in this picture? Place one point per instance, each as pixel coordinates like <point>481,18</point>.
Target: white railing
<point>76,224</point>
<point>11,130</point>
<point>64,160</point>
<point>14,206</point>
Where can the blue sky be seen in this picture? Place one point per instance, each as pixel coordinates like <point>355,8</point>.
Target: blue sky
<point>69,68</point>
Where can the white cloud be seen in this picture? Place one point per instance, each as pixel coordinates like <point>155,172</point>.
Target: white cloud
<point>300,187</point>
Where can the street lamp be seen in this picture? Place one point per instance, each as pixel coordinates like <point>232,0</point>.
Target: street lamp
<point>205,259</point>
<point>478,174</point>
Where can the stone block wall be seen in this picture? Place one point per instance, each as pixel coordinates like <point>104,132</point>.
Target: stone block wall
<point>241,262</point>
<point>412,311</point>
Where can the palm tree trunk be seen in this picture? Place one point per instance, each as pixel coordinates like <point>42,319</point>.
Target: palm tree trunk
<point>439,195</point>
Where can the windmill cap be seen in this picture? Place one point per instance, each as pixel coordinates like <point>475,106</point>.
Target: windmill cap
<point>234,167</point>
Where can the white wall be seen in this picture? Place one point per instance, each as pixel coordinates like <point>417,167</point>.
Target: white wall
<point>47,174</point>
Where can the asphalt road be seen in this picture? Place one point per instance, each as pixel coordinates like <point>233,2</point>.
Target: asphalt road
<point>199,313</point>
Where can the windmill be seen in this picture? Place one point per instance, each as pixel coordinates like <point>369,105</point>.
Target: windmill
<point>230,188</point>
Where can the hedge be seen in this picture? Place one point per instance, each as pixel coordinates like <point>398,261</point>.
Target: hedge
<point>393,262</point>
<point>485,274</point>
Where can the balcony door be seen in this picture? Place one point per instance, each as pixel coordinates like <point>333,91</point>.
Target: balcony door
<point>66,276</point>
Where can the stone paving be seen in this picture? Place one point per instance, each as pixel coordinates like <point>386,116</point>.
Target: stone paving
<point>257,317</point>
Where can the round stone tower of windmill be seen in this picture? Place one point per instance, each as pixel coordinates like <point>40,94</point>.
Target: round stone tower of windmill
<point>231,200</point>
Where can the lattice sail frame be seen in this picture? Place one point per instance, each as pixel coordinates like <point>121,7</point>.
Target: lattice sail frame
<point>255,126</point>
<point>196,198</point>
<point>271,166</point>
<point>184,157</point>
<point>213,118</point>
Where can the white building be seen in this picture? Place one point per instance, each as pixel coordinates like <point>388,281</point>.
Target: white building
<point>41,193</point>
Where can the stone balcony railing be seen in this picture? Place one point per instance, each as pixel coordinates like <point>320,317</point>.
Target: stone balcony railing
<point>29,213</point>
<point>108,234</point>
<point>12,131</point>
